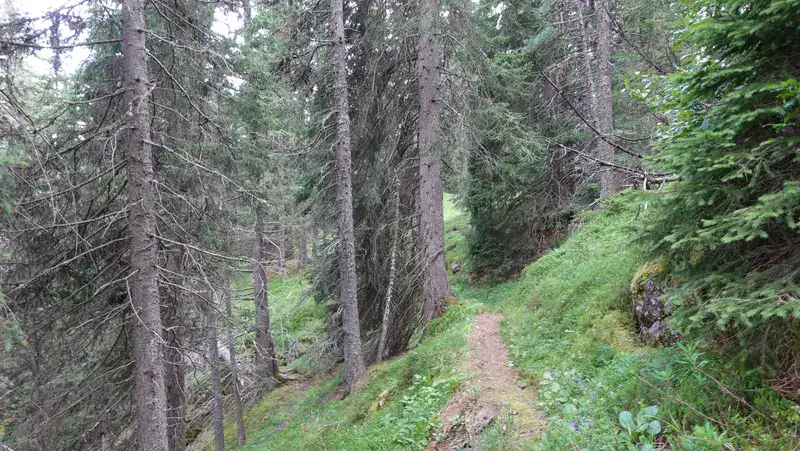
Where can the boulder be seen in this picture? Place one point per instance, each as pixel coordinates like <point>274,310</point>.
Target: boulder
<point>649,306</point>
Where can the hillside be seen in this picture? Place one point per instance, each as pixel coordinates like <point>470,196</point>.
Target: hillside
<point>377,225</point>
<point>575,359</point>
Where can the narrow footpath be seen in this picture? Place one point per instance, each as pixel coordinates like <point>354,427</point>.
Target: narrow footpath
<point>495,393</point>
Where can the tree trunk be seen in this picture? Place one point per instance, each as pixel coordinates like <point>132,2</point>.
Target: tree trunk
<point>237,396</point>
<point>431,184</point>
<point>353,359</point>
<point>302,250</point>
<point>265,349</point>
<point>605,111</point>
<point>174,368</point>
<point>149,393</point>
<point>591,91</point>
<point>213,362</point>
<point>248,13</point>
<point>387,306</point>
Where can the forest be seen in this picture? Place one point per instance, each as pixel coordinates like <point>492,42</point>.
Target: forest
<point>399,225</point>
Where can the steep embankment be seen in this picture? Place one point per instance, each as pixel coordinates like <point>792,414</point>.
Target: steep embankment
<point>569,327</point>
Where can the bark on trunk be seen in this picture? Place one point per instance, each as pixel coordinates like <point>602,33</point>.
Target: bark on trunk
<point>605,112</point>
<point>174,368</point>
<point>213,362</point>
<point>303,251</point>
<point>149,393</point>
<point>248,12</point>
<point>387,306</point>
<point>435,287</point>
<point>353,358</point>
<point>265,348</point>
<point>591,91</point>
<point>237,396</point>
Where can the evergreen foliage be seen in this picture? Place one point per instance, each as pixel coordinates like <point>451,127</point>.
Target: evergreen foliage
<point>518,187</point>
<point>533,111</point>
<point>729,226</point>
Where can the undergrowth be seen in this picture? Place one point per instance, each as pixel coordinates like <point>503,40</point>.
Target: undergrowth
<point>569,327</point>
<point>570,331</point>
<point>396,408</point>
<point>297,321</point>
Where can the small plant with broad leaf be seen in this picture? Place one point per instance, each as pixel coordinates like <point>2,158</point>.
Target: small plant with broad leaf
<point>410,427</point>
<point>642,429</point>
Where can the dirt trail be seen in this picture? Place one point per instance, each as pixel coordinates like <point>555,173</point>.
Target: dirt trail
<point>493,394</point>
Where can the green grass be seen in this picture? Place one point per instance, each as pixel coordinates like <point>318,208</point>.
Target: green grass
<point>450,210</point>
<point>296,319</point>
<point>395,408</point>
<point>569,327</point>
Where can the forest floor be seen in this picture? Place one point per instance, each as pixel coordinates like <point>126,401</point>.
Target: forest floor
<point>494,390</point>
<point>548,360</point>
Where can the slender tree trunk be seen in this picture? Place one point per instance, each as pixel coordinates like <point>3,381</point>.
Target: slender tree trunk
<point>3,316</point>
<point>213,362</point>
<point>149,393</point>
<point>591,91</point>
<point>174,368</point>
<point>303,250</point>
<point>265,349</point>
<point>44,398</point>
<point>387,306</point>
<point>105,442</point>
<point>605,112</point>
<point>353,358</point>
<point>431,184</point>
<point>237,396</point>
<point>248,12</point>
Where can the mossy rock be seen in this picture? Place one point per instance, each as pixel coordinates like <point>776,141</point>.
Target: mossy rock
<point>650,270</point>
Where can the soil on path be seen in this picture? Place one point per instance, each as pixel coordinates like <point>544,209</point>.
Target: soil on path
<point>494,393</point>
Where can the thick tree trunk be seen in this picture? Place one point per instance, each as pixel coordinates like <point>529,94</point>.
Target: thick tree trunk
<point>265,348</point>
<point>237,396</point>
<point>387,306</point>
<point>353,358</point>
<point>605,111</point>
<point>431,184</point>
<point>174,367</point>
<point>213,362</point>
<point>149,393</point>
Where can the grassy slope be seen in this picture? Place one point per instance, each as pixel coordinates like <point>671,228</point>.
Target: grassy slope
<point>569,331</point>
<point>395,408</point>
<point>298,322</point>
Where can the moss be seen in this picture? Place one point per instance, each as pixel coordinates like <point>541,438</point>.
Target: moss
<point>649,270</point>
